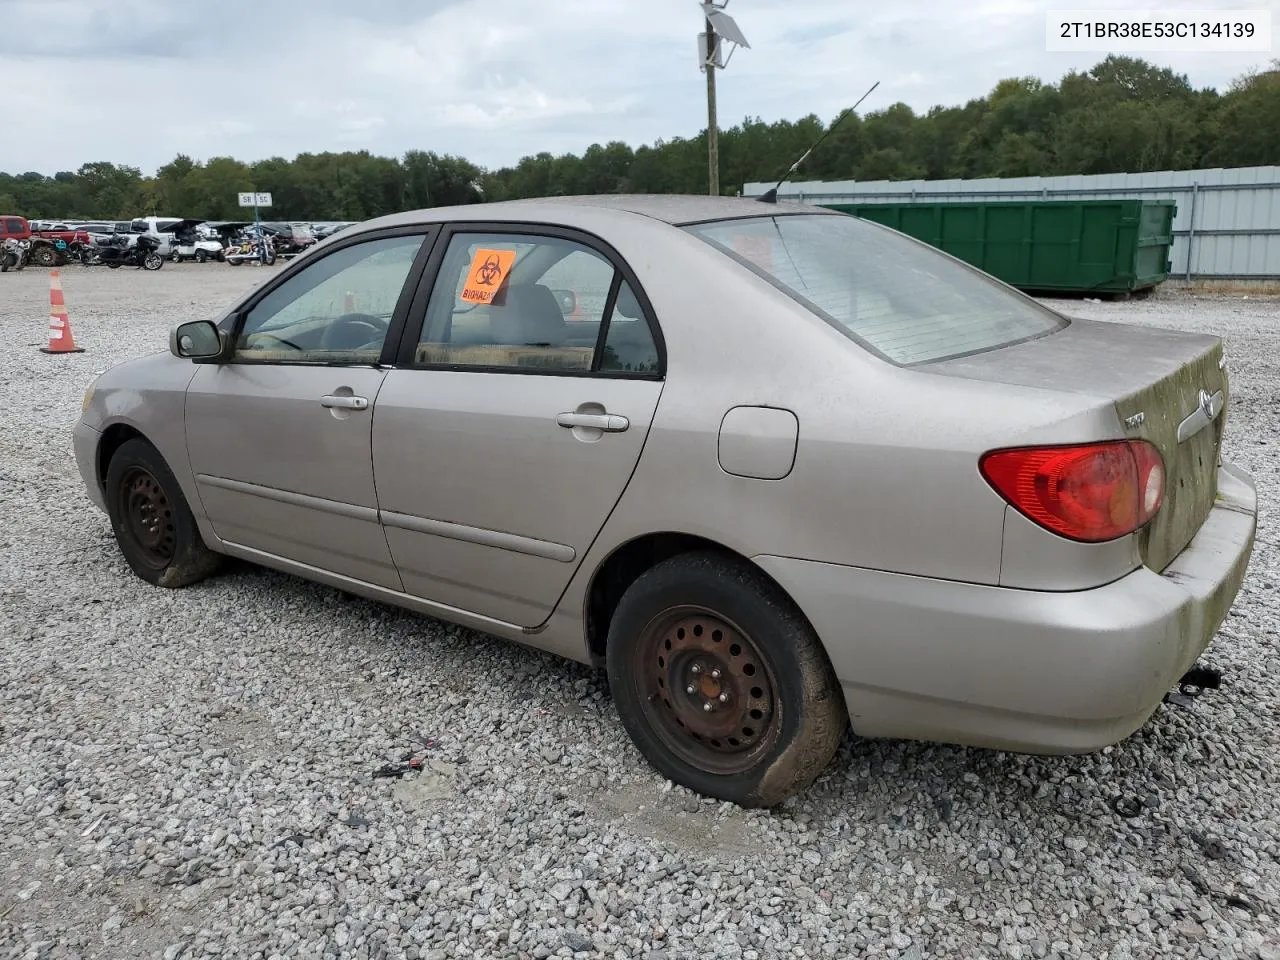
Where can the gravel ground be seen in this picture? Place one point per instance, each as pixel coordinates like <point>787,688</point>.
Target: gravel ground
<point>190,773</point>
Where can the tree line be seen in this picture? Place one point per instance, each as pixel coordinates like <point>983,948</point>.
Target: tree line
<point>1123,115</point>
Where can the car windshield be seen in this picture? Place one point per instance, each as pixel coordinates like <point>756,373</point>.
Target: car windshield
<point>899,298</point>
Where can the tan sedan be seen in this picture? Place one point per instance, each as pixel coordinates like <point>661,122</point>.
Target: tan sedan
<point>777,469</point>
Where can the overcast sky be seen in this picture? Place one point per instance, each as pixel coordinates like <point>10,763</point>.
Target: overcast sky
<point>138,81</point>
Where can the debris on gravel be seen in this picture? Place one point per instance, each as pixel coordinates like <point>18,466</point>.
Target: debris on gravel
<point>190,773</point>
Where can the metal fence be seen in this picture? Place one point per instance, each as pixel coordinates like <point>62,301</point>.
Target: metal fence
<point>1227,225</point>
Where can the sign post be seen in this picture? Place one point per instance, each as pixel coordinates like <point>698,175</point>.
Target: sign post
<point>257,200</point>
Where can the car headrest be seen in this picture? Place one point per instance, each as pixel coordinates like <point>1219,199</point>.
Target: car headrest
<point>627,304</point>
<point>529,314</point>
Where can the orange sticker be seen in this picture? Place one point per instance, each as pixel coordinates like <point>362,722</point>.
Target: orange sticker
<point>489,269</point>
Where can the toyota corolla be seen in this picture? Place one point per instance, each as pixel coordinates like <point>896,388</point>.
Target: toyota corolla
<point>778,470</point>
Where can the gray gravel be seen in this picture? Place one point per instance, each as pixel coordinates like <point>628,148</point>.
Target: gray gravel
<point>190,774</point>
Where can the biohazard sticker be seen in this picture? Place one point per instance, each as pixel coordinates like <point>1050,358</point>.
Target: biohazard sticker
<point>488,271</point>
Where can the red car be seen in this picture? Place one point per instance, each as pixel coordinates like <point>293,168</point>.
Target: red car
<point>45,251</point>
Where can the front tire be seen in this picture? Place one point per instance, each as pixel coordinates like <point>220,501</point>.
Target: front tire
<point>44,256</point>
<point>153,261</point>
<point>152,522</point>
<point>201,256</point>
<point>721,682</point>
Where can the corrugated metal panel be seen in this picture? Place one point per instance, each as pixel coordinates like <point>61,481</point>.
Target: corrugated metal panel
<point>1235,233</point>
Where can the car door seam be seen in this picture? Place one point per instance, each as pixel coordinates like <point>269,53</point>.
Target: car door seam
<point>586,552</point>
<point>373,472</point>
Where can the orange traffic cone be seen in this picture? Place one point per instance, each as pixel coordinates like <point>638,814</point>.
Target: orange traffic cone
<point>60,338</point>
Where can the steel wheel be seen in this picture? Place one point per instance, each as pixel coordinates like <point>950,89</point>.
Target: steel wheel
<point>706,689</point>
<point>148,516</point>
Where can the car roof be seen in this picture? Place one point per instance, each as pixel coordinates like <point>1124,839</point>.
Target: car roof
<point>674,209</point>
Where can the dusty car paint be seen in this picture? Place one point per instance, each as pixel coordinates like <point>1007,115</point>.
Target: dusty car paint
<point>946,614</point>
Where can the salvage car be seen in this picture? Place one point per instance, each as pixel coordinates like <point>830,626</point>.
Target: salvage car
<point>779,471</point>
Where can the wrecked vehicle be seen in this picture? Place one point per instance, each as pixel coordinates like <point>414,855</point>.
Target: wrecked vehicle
<point>778,470</point>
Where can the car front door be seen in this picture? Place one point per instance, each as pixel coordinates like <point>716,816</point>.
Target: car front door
<point>279,437</point>
<point>508,430</point>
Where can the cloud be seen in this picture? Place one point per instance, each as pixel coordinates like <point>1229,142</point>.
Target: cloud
<point>138,81</point>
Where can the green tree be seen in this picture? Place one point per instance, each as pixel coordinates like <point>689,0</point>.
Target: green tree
<point>1123,114</point>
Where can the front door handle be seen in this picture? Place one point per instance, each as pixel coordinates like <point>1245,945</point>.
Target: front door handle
<point>608,422</point>
<point>346,403</point>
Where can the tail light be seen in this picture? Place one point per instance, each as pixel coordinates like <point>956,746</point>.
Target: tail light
<point>1089,492</point>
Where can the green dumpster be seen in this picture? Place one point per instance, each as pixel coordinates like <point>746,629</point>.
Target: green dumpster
<point>1099,246</point>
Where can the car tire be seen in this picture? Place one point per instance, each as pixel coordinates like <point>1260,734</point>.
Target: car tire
<point>766,714</point>
<point>152,522</point>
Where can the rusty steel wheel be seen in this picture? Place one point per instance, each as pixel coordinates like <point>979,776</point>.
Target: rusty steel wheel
<point>148,517</point>
<point>721,681</point>
<point>709,691</point>
<point>153,524</point>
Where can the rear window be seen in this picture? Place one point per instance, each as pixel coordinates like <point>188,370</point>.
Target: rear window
<point>899,298</point>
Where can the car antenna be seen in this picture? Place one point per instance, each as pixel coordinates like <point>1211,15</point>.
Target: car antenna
<point>771,196</point>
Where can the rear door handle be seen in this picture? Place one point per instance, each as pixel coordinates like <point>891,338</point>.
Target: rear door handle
<point>346,403</point>
<point>608,422</point>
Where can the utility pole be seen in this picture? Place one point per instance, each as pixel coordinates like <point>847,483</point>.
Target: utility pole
<point>719,27</point>
<point>713,145</point>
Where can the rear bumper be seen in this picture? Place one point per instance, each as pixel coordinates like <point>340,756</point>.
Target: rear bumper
<point>84,441</point>
<point>1024,670</point>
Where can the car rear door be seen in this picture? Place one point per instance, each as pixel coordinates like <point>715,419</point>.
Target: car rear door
<point>507,432</point>
<point>279,437</point>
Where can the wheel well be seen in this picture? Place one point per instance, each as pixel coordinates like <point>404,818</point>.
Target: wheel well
<point>623,567</point>
<point>113,438</point>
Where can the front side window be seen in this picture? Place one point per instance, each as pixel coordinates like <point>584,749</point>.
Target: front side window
<point>903,300</point>
<point>13,226</point>
<point>335,311</point>
<point>534,304</point>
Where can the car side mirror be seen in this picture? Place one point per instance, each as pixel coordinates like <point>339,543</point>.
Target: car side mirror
<point>567,299</point>
<point>196,340</point>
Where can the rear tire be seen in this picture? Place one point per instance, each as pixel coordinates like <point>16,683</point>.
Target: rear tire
<point>44,256</point>
<point>152,522</point>
<point>717,626</point>
<point>201,256</point>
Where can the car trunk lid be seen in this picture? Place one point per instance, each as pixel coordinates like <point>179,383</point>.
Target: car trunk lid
<point>1159,381</point>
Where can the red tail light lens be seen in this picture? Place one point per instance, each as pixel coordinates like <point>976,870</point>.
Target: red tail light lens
<point>1090,492</point>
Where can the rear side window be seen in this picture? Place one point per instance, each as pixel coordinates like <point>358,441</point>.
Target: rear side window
<point>534,304</point>
<point>13,226</point>
<point>899,298</point>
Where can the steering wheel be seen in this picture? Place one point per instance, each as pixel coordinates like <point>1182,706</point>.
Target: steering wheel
<point>344,330</point>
